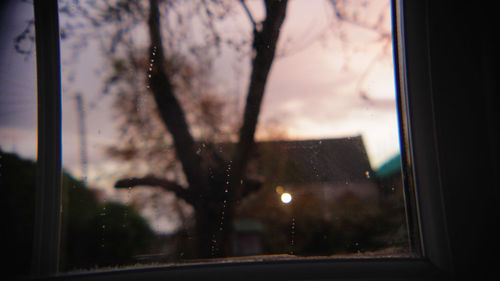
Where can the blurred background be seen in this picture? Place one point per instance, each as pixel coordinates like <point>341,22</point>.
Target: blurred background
<point>322,180</point>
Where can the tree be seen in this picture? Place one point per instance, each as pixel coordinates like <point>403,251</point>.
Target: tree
<point>211,194</point>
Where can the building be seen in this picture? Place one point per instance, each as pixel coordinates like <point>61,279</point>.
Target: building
<point>320,176</point>
<point>325,168</point>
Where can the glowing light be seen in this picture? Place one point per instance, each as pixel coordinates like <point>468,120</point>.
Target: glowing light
<point>279,189</point>
<point>286,198</point>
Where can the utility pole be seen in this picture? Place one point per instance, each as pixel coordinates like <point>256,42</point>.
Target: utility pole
<point>82,136</point>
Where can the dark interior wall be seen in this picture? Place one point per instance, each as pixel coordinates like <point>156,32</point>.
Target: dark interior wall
<point>462,59</point>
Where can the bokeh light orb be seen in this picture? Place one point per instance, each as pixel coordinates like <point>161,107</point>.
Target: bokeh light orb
<point>286,198</point>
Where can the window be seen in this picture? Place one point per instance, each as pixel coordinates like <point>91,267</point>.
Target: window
<point>427,160</point>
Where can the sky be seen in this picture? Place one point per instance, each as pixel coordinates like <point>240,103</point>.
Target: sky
<point>316,89</point>
<point>17,83</point>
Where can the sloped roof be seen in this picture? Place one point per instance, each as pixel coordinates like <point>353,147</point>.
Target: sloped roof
<point>314,161</point>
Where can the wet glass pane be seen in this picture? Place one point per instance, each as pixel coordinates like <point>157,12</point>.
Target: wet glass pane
<point>199,131</point>
<point>17,135</point>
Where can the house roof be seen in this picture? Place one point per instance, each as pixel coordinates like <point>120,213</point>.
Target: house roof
<point>315,161</point>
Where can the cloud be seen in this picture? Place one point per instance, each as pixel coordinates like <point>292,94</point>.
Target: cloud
<point>22,141</point>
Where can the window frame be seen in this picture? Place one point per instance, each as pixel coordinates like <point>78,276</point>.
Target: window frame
<point>48,198</point>
<point>419,149</point>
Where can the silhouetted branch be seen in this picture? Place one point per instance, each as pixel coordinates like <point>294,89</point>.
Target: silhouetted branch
<point>25,36</point>
<point>254,24</point>
<point>251,185</point>
<point>365,73</point>
<point>373,27</point>
<point>167,185</point>
<point>264,44</point>
<point>170,110</point>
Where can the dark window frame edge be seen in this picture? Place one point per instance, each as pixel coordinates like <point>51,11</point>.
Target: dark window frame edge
<point>324,269</point>
<point>47,223</point>
<point>416,91</point>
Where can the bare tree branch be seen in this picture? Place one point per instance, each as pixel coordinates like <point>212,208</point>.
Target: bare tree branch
<point>373,27</point>
<point>168,105</point>
<point>251,185</point>
<point>254,24</point>
<point>167,185</point>
<point>264,44</point>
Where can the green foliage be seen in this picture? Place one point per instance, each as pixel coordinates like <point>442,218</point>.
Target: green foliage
<point>97,234</point>
<point>121,234</point>
<point>17,180</point>
<point>80,206</point>
<point>85,242</point>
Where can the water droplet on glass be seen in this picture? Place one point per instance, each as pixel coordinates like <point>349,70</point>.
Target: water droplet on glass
<point>292,236</point>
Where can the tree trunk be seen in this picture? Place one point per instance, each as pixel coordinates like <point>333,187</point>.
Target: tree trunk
<point>214,200</point>
<point>210,233</point>
<point>170,110</point>
<point>264,44</point>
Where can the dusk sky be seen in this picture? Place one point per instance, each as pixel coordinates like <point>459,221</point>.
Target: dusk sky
<point>322,87</point>
<point>17,83</point>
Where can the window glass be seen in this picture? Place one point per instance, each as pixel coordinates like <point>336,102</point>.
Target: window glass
<point>17,134</point>
<point>238,130</point>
